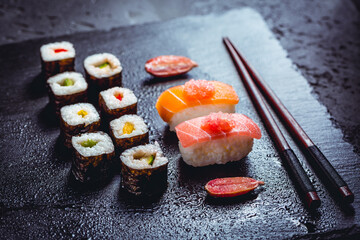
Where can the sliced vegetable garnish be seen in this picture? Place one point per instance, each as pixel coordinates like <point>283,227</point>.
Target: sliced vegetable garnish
<point>67,82</point>
<point>169,65</point>
<point>231,187</point>
<point>60,50</point>
<point>128,128</point>
<point>82,113</point>
<point>119,96</point>
<point>89,143</point>
<point>103,65</point>
<point>151,159</point>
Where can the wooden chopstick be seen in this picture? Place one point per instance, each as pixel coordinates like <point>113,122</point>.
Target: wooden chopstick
<point>298,174</point>
<point>327,172</point>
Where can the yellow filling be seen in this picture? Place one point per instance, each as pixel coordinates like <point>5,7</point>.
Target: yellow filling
<point>128,128</point>
<point>82,113</point>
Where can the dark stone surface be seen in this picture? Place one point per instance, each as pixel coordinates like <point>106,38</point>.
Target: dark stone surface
<point>39,201</point>
<point>321,37</point>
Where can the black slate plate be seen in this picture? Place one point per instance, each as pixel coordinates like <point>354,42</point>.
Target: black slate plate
<point>39,201</point>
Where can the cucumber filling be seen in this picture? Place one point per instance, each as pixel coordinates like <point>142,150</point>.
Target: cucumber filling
<point>148,158</point>
<point>67,82</point>
<point>89,143</point>
<point>104,65</point>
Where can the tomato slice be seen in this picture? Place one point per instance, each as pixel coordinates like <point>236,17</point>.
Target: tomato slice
<point>169,65</point>
<point>231,187</point>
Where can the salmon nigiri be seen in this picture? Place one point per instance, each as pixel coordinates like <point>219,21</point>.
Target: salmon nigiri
<point>217,138</point>
<point>195,99</point>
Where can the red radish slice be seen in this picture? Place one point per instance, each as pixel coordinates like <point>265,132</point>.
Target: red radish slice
<point>231,187</point>
<point>60,50</point>
<point>169,65</point>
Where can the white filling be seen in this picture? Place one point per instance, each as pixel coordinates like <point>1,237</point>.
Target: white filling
<point>130,156</point>
<point>56,81</point>
<point>92,62</point>
<point>104,145</point>
<point>118,124</point>
<point>219,151</point>
<point>48,54</point>
<point>70,114</point>
<point>199,111</point>
<point>128,97</point>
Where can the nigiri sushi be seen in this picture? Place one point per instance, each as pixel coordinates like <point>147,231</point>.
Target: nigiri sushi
<point>216,139</point>
<point>195,99</point>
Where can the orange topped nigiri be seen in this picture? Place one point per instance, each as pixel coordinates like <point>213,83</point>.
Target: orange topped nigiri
<point>195,98</point>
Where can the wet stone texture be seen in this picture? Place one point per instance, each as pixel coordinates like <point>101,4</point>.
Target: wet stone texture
<point>39,200</point>
<point>321,37</point>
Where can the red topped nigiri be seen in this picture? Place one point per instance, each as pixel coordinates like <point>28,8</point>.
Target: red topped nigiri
<point>217,138</point>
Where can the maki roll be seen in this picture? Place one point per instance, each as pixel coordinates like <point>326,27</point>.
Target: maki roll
<point>56,58</point>
<point>116,102</point>
<point>78,118</point>
<point>93,154</point>
<point>103,71</point>
<point>129,131</point>
<point>67,88</point>
<point>144,170</point>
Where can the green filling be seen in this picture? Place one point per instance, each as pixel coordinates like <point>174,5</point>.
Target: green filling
<point>105,64</point>
<point>67,82</point>
<point>151,159</point>
<point>89,143</point>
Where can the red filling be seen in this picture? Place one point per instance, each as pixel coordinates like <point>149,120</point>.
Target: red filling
<point>119,96</point>
<point>60,50</point>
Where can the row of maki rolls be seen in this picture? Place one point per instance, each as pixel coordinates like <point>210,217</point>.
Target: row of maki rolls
<point>83,126</point>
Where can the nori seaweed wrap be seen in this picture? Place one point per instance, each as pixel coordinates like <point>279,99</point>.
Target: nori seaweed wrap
<point>78,118</point>
<point>56,58</point>
<point>116,102</point>
<point>144,170</point>
<point>93,156</point>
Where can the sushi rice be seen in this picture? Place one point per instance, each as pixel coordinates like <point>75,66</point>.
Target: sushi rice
<point>70,114</point>
<point>92,62</point>
<point>128,97</point>
<point>118,124</point>
<point>104,144</point>
<point>219,151</point>
<point>55,83</point>
<point>48,53</point>
<point>135,157</point>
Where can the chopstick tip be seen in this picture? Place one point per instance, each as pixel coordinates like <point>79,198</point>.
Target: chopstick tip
<point>346,194</point>
<point>313,200</point>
